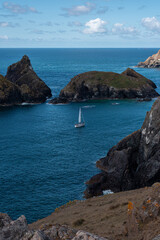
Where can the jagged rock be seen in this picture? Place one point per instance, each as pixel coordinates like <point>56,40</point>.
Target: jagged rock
<point>151,62</point>
<point>9,92</point>
<point>18,230</point>
<point>134,162</point>
<point>60,232</point>
<point>32,88</point>
<point>156,238</point>
<point>12,230</point>
<point>81,235</point>
<point>31,235</point>
<point>107,85</point>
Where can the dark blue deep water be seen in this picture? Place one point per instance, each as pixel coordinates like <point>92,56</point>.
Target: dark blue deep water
<point>44,160</point>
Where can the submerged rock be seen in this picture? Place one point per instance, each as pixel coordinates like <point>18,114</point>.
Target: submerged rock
<point>33,89</point>
<point>134,162</point>
<point>151,62</point>
<point>107,85</point>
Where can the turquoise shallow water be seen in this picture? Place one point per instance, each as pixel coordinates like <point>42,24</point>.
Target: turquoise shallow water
<point>44,160</point>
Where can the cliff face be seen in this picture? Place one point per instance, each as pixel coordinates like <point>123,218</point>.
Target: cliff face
<point>32,88</point>
<point>134,162</point>
<point>107,85</point>
<point>9,92</point>
<point>151,62</point>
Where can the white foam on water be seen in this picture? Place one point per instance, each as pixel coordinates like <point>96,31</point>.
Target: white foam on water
<point>115,103</point>
<point>59,104</point>
<point>133,67</point>
<point>26,104</point>
<point>106,192</point>
<point>89,106</point>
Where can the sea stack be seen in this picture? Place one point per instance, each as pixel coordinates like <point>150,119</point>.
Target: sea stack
<point>151,62</point>
<point>10,93</point>
<point>134,162</point>
<point>107,85</point>
<point>33,89</point>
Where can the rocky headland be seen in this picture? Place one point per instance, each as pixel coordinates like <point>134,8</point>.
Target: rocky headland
<point>134,162</point>
<point>107,85</point>
<point>130,215</point>
<point>21,84</point>
<point>151,62</point>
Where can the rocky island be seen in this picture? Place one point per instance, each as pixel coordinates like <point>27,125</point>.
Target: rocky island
<point>107,85</point>
<point>134,162</point>
<point>151,62</point>
<point>21,84</point>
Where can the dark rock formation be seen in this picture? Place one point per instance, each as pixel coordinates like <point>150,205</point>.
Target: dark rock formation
<point>107,85</point>
<point>18,230</point>
<point>134,162</point>
<point>9,92</point>
<point>12,229</point>
<point>33,89</point>
<point>151,62</point>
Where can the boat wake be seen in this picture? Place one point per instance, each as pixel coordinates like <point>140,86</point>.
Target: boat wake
<point>115,103</point>
<point>28,104</point>
<point>89,106</point>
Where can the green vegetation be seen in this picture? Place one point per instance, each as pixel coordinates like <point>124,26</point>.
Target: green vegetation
<point>78,222</point>
<point>111,79</point>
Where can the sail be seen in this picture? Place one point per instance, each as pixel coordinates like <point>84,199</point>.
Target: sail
<point>79,118</point>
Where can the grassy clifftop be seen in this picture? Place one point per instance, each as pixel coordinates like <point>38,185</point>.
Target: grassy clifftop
<point>119,216</point>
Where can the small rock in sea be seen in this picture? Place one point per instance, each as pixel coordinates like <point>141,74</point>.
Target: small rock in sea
<point>151,62</point>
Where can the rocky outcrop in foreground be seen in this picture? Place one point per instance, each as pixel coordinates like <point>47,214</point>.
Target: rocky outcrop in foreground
<point>21,84</point>
<point>107,85</point>
<point>134,162</point>
<point>129,215</point>
<point>151,62</point>
<point>140,218</point>
<point>18,230</point>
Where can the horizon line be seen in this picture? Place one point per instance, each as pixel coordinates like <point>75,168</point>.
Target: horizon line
<point>79,47</point>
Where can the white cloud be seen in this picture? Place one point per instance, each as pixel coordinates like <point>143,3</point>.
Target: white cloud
<point>119,28</point>
<point>95,26</point>
<point>4,24</point>
<point>103,10</point>
<point>8,24</point>
<point>75,24</point>
<point>17,8</point>
<point>4,37</point>
<point>151,23</point>
<point>79,10</point>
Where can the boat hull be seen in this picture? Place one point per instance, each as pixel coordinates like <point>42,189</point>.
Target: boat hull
<point>79,125</point>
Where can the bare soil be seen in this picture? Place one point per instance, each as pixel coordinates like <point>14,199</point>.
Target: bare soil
<point>105,216</point>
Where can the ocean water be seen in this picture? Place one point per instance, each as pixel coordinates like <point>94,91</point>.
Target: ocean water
<point>44,160</point>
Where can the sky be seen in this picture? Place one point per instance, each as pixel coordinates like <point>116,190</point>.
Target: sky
<point>79,24</point>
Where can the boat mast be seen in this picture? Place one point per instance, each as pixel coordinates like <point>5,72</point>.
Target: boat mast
<point>79,118</point>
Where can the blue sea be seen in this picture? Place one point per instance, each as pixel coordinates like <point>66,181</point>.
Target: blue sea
<point>44,160</point>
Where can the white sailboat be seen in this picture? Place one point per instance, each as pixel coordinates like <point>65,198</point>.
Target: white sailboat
<point>81,122</point>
